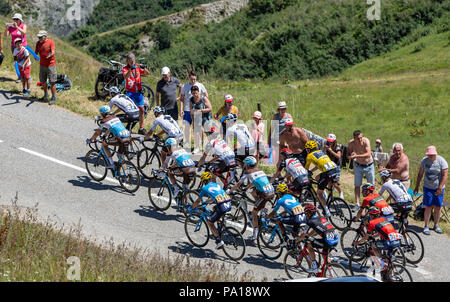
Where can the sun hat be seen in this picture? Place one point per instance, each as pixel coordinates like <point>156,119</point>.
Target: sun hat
<point>257,114</point>
<point>431,150</point>
<point>228,98</point>
<point>331,137</point>
<point>165,70</point>
<point>42,33</point>
<point>378,140</point>
<point>281,105</point>
<point>17,40</point>
<point>17,16</point>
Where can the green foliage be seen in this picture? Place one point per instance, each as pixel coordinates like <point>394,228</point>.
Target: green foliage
<point>163,33</point>
<point>258,7</point>
<point>5,7</point>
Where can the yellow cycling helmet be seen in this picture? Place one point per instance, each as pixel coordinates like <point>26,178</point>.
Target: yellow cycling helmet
<point>310,145</point>
<point>206,176</point>
<point>282,188</point>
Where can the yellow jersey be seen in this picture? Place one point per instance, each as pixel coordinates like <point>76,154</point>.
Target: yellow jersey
<point>321,160</point>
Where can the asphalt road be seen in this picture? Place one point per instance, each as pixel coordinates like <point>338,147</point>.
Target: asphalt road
<point>43,148</point>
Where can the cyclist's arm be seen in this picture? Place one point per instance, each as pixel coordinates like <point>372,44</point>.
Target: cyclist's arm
<point>96,134</point>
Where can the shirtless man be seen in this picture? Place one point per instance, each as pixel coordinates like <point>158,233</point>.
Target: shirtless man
<point>359,150</point>
<point>398,165</point>
<point>295,139</point>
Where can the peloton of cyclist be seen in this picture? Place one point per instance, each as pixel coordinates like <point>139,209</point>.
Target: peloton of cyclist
<point>214,192</point>
<point>296,175</point>
<point>398,192</point>
<point>242,141</point>
<point>126,105</point>
<point>262,193</point>
<point>292,207</point>
<point>374,199</point>
<point>318,225</point>
<point>329,171</point>
<point>113,125</point>
<point>182,163</point>
<point>223,156</point>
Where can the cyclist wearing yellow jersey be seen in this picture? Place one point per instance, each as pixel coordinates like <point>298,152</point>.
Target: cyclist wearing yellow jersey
<point>330,171</point>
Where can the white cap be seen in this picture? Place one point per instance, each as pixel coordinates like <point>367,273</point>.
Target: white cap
<point>17,16</point>
<point>165,70</point>
<point>281,105</point>
<point>257,114</point>
<point>378,140</point>
<point>228,98</point>
<point>17,40</point>
<point>331,137</point>
<point>42,33</point>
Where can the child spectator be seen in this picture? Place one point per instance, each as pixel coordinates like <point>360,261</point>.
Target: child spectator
<point>22,56</point>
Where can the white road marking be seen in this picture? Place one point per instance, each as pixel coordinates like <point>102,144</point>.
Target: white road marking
<point>426,274</point>
<point>63,163</point>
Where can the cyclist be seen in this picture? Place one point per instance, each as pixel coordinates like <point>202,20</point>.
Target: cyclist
<point>374,199</point>
<point>168,126</point>
<point>330,171</point>
<point>296,175</point>
<point>243,143</point>
<point>113,125</point>
<point>292,207</point>
<point>398,192</point>
<point>215,193</point>
<point>379,227</point>
<point>126,105</point>
<point>223,156</point>
<point>318,225</point>
<point>182,162</point>
<point>263,190</point>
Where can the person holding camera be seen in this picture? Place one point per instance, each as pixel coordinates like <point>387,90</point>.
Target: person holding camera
<point>132,74</point>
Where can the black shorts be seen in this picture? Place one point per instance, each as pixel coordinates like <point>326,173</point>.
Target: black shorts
<point>326,177</point>
<point>221,166</point>
<point>299,183</point>
<point>219,210</point>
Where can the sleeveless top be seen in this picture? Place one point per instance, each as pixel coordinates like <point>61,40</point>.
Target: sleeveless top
<point>199,106</point>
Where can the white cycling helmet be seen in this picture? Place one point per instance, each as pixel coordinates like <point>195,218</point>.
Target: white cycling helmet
<point>114,89</point>
<point>170,142</point>
<point>158,109</point>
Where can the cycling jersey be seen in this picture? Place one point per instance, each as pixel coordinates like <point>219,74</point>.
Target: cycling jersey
<point>259,180</point>
<point>384,228</point>
<point>324,228</point>
<point>397,190</point>
<point>219,148</point>
<point>295,168</point>
<point>215,192</point>
<point>124,103</point>
<point>133,83</point>
<point>320,160</point>
<point>240,133</point>
<point>375,199</point>
<point>168,125</point>
<point>290,205</point>
<point>181,158</point>
<point>115,126</point>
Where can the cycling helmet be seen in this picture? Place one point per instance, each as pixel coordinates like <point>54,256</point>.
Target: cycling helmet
<point>282,188</point>
<point>232,117</point>
<point>250,160</point>
<point>374,211</point>
<point>158,109</point>
<point>114,90</point>
<point>385,174</point>
<point>286,152</point>
<point>170,142</point>
<point>368,187</point>
<point>310,209</point>
<point>205,176</point>
<point>105,109</point>
<point>310,145</point>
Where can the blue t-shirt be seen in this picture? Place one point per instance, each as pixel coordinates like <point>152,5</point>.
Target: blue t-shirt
<point>215,192</point>
<point>290,205</point>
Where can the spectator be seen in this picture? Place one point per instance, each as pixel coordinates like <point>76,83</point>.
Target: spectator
<point>334,152</point>
<point>185,103</point>
<point>360,152</point>
<point>133,79</point>
<point>378,147</point>
<point>22,57</point>
<point>257,132</point>
<point>435,169</point>
<point>281,117</point>
<point>167,89</point>
<point>45,48</point>
<point>17,29</point>
<point>398,165</point>
<point>200,110</point>
<point>2,56</point>
<point>226,109</point>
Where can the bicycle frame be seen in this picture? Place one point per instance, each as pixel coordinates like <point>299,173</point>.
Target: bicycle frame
<point>304,252</point>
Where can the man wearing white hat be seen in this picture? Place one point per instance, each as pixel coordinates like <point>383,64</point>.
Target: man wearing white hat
<point>281,117</point>
<point>45,48</point>
<point>169,88</point>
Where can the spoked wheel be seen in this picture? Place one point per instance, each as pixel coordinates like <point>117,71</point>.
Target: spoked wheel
<point>96,165</point>
<point>294,263</point>
<point>341,214</point>
<point>335,270</point>
<point>398,273</point>
<point>234,246</point>
<point>187,199</point>
<point>269,243</point>
<point>197,231</point>
<point>159,194</point>
<point>237,218</point>
<point>129,177</point>
<point>148,93</point>
<point>347,238</point>
<point>412,246</point>
<point>148,160</point>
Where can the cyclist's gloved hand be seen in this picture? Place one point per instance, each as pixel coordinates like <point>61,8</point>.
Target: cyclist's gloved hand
<point>88,141</point>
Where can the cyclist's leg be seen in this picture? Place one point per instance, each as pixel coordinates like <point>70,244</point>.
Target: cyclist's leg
<point>324,181</point>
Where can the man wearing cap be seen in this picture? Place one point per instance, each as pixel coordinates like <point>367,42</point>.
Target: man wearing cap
<point>45,48</point>
<point>295,139</point>
<point>169,88</point>
<point>398,165</point>
<point>334,152</point>
<point>435,169</point>
<point>133,84</point>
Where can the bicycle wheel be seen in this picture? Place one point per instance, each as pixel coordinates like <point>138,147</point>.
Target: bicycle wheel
<point>159,194</point>
<point>341,214</point>
<point>397,256</point>
<point>307,197</point>
<point>347,238</point>
<point>269,242</point>
<point>197,231</point>
<point>149,94</point>
<point>96,165</point>
<point>334,270</point>
<point>412,246</point>
<point>234,246</point>
<point>237,218</point>
<point>129,177</point>
<point>293,264</point>
<point>100,91</point>
<point>445,212</point>
<point>399,273</point>
<point>148,160</point>
<point>358,265</point>
<point>187,199</point>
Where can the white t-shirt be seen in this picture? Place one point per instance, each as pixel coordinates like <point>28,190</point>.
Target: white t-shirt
<point>219,148</point>
<point>397,190</point>
<point>22,55</point>
<point>123,102</point>
<point>168,125</point>
<point>186,91</point>
<point>241,133</point>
